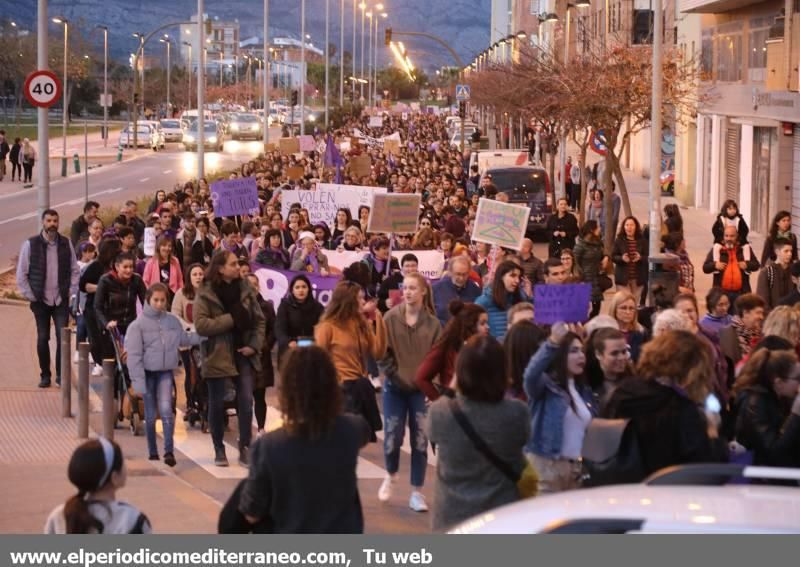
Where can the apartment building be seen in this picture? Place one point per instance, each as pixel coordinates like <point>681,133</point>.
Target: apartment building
<point>745,141</point>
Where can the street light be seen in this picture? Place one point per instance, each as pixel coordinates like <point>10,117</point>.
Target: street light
<point>369,15</point>
<point>105,84</point>
<point>190,74</point>
<point>65,101</point>
<point>302,67</point>
<point>166,41</point>
<point>363,7</point>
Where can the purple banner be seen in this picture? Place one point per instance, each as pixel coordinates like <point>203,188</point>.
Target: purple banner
<point>274,283</point>
<point>235,197</point>
<point>568,303</point>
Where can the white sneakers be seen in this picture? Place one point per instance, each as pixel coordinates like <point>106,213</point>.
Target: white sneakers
<point>417,502</point>
<point>385,491</point>
<point>97,370</point>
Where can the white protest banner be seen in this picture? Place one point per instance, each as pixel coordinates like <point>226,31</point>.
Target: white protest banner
<point>501,224</point>
<point>431,262</point>
<point>340,260</point>
<point>363,194</point>
<point>394,212</point>
<point>149,242</point>
<point>404,115</point>
<point>323,203</point>
<point>307,143</point>
<point>415,106</point>
<point>376,121</point>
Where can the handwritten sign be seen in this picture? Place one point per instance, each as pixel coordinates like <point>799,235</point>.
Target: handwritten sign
<point>234,196</point>
<point>307,143</point>
<point>501,224</point>
<point>289,146</point>
<point>149,242</point>
<point>376,121</point>
<point>568,303</point>
<point>270,147</point>
<point>394,212</point>
<point>431,262</point>
<point>323,203</point>
<point>391,147</point>
<point>360,166</point>
<point>295,172</point>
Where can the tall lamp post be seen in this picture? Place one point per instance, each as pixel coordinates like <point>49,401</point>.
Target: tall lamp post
<point>383,15</point>
<point>166,41</point>
<point>363,7</point>
<point>201,77</point>
<point>341,53</point>
<point>327,57</point>
<point>302,67</point>
<point>64,96</point>
<point>370,19</point>
<point>42,127</point>
<point>105,84</point>
<point>189,74</point>
<point>353,56</point>
<point>267,77</point>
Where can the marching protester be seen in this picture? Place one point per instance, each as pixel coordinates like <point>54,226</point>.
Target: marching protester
<point>562,229</point>
<point>505,291</point>
<point>298,314</point>
<point>308,257</point>
<point>265,378</point>
<point>454,285</point>
<point>592,262</point>
<point>183,309</point>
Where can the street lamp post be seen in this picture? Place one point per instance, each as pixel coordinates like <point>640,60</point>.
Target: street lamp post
<point>363,7</point>
<point>189,74</point>
<point>42,126</point>
<point>140,100</point>
<point>353,54</point>
<point>370,18</point>
<point>201,77</point>
<point>64,96</point>
<point>327,56</point>
<point>302,67</point>
<point>165,40</point>
<point>105,85</point>
<point>341,53</point>
<point>267,77</point>
<point>655,133</point>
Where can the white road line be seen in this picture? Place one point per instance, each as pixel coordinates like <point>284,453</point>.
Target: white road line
<point>27,216</point>
<point>143,179</point>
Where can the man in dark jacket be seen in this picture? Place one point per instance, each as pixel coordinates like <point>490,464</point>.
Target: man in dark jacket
<point>731,263</point>
<point>409,264</point>
<point>455,285</point>
<point>80,226</point>
<point>775,280</point>
<point>47,275</point>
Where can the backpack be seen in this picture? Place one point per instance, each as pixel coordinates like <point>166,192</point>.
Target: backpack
<point>611,453</point>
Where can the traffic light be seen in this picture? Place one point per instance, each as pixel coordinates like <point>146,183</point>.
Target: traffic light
<point>388,36</point>
<point>294,97</point>
<point>462,109</point>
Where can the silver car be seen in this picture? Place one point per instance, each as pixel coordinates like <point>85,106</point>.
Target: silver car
<point>213,136</point>
<point>146,137</point>
<point>172,130</point>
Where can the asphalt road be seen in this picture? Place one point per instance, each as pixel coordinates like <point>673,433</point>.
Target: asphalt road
<point>110,185</point>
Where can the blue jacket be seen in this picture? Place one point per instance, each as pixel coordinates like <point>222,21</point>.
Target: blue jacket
<point>498,318</point>
<point>445,291</point>
<point>548,404</point>
<point>152,343</point>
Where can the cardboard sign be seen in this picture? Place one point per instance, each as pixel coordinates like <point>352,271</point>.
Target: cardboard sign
<point>404,115</point>
<point>568,303</point>
<point>307,143</point>
<point>149,242</point>
<point>270,147</point>
<point>360,166</point>
<point>391,147</point>
<point>394,212</point>
<point>234,196</point>
<point>294,173</point>
<point>376,121</point>
<point>501,224</point>
<point>289,146</point>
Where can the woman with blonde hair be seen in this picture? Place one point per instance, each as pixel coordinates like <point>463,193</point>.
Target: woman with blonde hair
<point>665,403</point>
<point>622,308</point>
<point>352,241</point>
<point>425,239</point>
<point>784,322</point>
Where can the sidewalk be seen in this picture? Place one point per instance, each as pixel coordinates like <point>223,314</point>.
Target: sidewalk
<point>36,444</point>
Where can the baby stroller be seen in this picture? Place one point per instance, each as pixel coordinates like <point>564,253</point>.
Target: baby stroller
<point>131,406</point>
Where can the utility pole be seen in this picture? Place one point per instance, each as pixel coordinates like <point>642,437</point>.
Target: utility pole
<point>655,134</point>
<point>43,175</point>
<point>341,54</point>
<point>201,78</point>
<point>327,56</point>
<point>303,76</point>
<point>267,78</point>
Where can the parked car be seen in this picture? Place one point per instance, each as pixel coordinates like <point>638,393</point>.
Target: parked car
<point>245,125</point>
<point>146,136</point>
<point>683,499</point>
<point>172,129</point>
<point>213,136</point>
<point>528,186</point>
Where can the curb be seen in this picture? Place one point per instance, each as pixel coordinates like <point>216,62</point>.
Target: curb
<point>14,302</point>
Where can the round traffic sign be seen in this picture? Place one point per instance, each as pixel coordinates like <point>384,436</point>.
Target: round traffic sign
<point>42,88</point>
<point>598,143</point>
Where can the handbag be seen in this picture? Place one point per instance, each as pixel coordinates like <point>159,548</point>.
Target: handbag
<point>604,282</point>
<point>527,480</point>
<point>611,453</point>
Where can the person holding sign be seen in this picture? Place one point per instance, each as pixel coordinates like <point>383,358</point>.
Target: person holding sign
<point>307,256</point>
<point>505,291</point>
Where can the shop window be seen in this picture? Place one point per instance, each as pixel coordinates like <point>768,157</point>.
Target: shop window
<point>642,27</point>
<point>707,55</point>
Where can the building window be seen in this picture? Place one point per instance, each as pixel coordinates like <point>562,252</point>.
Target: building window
<point>729,57</point>
<point>642,27</point>
<point>707,54</point>
<point>757,57</point>
<point>535,11</point>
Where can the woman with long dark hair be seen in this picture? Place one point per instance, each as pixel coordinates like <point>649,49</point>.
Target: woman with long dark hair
<point>303,475</point>
<point>344,220</point>
<point>466,320</point>
<point>560,402</point>
<point>522,341</point>
<point>164,267</point>
<point>97,469</point>
<point>592,261</point>
<point>107,252</point>
<point>273,254</point>
<point>505,292</point>
<point>630,258</point>
<point>298,314</point>
<point>780,229</point>
<point>183,309</point>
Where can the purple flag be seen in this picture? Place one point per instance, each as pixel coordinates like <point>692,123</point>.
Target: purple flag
<point>333,158</point>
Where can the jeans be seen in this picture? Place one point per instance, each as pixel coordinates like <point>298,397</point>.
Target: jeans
<point>158,401</point>
<point>28,168</point>
<point>16,170</point>
<point>260,405</point>
<point>81,334</point>
<point>244,397</point>
<point>397,404</point>
<point>43,313</point>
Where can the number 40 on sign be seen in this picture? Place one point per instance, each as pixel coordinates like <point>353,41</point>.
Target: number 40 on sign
<point>42,88</point>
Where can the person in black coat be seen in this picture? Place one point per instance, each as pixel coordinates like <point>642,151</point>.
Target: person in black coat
<point>630,267</point>
<point>266,378</point>
<point>298,313</point>
<point>561,229</point>
<point>768,417</point>
<point>665,403</point>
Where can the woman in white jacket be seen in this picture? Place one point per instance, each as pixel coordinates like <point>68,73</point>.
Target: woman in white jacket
<point>152,343</point>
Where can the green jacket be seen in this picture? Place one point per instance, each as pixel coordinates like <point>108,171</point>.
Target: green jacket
<point>212,321</point>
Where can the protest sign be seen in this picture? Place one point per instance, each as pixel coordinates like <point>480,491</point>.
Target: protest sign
<point>295,172</point>
<point>414,106</point>
<point>391,147</point>
<point>501,224</point>
<point>323,203</point>
<point>339,260</point>
<point>568,303</point>
<point>307,143</point>
<point>270,147</point>
<point>234,196</point>
<point>274,284</point>
<point>376,121</point>
<point>394,212</point>
<point>404,116</point>
<point>149,242</point>
<point>289,146</point>
<point>360,166</point>
<point>344,146</point>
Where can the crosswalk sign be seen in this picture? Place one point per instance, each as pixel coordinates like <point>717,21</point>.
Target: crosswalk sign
<point>462,92</point>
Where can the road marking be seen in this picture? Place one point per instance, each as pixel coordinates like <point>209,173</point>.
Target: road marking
<point>143,179</point>
<point>167,171</point>
<point>31,215</point>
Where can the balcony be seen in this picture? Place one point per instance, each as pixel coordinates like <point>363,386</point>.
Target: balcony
<point>713,6</point>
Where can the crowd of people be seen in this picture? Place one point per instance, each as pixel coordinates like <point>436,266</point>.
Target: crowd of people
<point>459,362</point>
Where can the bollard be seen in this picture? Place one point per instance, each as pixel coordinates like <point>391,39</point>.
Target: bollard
<point>66,372</point>
<point>109,408</point>
<point>63,166</point>
<point>119,153</point>
<point>83,390</point>
<point>77,161</point>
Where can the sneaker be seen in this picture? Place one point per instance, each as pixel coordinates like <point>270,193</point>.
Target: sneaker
<point>244,456</point>
<point>417,502</point>
<point>169,460</point>
<point>153,458</point>
<point>219,457</point>
<point>97,370</point>
<point>385,491</point>
<point>376,383</point>
<point>44,383</point>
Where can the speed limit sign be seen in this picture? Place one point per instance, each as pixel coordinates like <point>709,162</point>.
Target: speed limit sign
<point>42,88</point>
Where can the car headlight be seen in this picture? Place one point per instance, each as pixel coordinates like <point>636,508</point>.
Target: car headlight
<point>188,138</point>
<point>212,140</point>
<point>234,126</point>
<point>312,118</point>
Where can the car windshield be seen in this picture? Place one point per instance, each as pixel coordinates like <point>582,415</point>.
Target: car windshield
<point>207,127</point>
<point>141,129</point>
<point>531,182</point>
<point>246,118</point>
<point>170,124</point>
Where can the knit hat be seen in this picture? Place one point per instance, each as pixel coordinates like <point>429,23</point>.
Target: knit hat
<point>306,234</point>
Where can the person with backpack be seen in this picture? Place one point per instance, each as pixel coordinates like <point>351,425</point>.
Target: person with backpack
<point>775,279</point>
<point>97,469</point>
<point>731,262</point>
